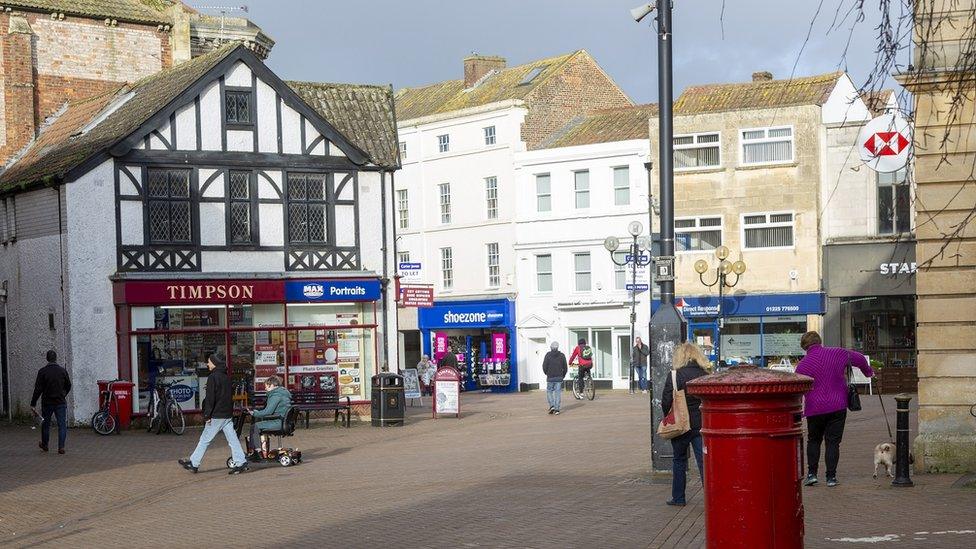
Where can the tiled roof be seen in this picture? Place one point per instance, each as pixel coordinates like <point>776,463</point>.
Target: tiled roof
<point>876,101</point>
<point>61,146</point>
<point>808,90</point>
<point>452,96</point>
<point>136,11</point>
<point>604,126</point>
<point>361,113</point>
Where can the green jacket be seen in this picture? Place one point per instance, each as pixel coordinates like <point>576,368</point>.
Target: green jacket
<point>279,400</point>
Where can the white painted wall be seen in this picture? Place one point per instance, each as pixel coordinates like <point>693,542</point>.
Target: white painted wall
<point>465,167</point>
<point>564,231</point>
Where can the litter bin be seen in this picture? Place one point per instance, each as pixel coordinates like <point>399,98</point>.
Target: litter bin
<point>121,406</point>
<point>386,401</point>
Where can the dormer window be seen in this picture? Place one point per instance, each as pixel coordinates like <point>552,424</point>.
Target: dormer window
<point>238,108</point>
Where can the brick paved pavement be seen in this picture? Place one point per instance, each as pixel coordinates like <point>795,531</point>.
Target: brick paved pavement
<point>505,475</point>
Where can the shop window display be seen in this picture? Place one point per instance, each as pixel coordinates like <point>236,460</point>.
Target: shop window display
<point>881,327</point>
<point>781,339</point>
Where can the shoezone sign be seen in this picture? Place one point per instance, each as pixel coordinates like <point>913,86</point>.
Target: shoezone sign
<point>885,142</point>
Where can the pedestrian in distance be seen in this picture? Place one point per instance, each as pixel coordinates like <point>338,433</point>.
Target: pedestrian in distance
<point>582,357</point>
<point>825,405</point>
<point>449,359</point>
<point>426,371</point>
<point>555,367</point>
<point>218,413</point>
<point>689,363</point>
<point>52,387</point>
<point>638,359</point>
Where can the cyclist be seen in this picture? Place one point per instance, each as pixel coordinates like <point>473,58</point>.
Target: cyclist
<point>583,357</point>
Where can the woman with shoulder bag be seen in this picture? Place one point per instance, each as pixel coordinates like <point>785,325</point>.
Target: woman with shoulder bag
<point>689,363</point>
<point>825,406</point>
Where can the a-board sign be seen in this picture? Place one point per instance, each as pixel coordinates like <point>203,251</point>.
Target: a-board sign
<point>447,392</point>
<point>411,383</point>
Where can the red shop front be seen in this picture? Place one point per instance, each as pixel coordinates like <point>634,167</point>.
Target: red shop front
<point>318,334</point>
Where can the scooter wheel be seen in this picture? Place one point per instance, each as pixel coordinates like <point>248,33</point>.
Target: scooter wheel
<point>284,460</point>
<point>230,463</point>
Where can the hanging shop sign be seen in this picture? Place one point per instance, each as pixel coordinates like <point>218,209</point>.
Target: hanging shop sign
<point>499,346</point>
<point>332,290</point>
<point>440,346</point>
<point>885,142</point>
<point>416,296</point>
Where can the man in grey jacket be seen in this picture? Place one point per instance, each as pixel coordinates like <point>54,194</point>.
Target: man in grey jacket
<point>555,368</point>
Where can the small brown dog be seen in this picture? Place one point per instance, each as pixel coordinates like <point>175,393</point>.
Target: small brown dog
<point>884,454</point>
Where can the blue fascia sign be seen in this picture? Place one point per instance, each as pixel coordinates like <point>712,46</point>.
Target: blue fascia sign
<point>465,315</point>
<point>750,305</point>
<point>332,290</point>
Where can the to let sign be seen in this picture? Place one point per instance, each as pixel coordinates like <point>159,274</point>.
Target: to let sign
<point>414,296</point>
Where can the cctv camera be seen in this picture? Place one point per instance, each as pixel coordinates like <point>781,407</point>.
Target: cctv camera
<point>642,11</point>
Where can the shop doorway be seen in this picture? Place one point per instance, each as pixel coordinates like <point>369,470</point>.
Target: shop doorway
<point>623,361</point>
<point>411,348</point>
<point>601,340</point>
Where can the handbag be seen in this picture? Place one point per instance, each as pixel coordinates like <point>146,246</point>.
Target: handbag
<point>853,399</point>
<point>677,422</point>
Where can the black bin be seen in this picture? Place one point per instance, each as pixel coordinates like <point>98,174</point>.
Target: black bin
<point>387,402</point>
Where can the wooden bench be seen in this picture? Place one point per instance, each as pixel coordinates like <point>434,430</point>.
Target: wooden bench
<point>309,401</point>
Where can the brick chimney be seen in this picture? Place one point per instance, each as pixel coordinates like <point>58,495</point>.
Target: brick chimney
<point>20,121</point>
<point>762,76</point>
<point>476,66</point>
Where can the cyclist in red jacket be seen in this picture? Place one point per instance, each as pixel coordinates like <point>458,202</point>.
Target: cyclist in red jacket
<point>583,357</point>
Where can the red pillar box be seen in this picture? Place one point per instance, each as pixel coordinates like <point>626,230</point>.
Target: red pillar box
<point>122,404</point>
<point>753,457</point>
<point>447,392</point>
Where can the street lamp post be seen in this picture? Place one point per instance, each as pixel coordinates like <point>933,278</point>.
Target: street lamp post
<point>635,258</point>
<point>722,272</point>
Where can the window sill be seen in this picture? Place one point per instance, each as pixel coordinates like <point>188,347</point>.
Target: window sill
<point>234,126</point>
<point>790,164</point>
<point>711,169</point>
<point>772,249</point>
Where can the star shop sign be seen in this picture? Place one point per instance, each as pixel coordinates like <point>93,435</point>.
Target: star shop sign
<point>885,143</point>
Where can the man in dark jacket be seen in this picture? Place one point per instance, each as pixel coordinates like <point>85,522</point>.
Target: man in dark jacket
<point>555,367</point>
<point>638,360</point>
<point>449,359</point>
<point>218,412</point>
<point>52,386</point>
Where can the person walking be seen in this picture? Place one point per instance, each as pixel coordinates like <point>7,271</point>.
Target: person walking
<point>638,360</point>
<point>825,405</point>
<point>555,367</point>
<point>690,363</point>
<point>52,386</point>
<point>218,412</point>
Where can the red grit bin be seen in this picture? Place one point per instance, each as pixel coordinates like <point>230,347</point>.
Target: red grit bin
<point>753,444</point>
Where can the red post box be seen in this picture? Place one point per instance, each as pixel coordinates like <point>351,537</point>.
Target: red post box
<point>753,446</point>
<point>121,406</point>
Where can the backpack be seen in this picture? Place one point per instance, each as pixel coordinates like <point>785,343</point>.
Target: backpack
<point>587,352</point>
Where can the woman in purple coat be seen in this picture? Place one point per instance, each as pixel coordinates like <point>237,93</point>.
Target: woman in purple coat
<point>825,406</point>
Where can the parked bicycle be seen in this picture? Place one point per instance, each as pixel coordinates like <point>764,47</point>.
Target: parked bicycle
<point>583,385</point>
<point>164,412</point>
<point>104,422</point>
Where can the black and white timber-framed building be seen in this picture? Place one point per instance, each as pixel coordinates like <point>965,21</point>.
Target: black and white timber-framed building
<point>211,207</point>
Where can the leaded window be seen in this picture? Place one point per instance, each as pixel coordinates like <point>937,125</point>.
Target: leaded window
<point>494,270</point>
<point>308,208</point>
<point>241,216</point>
<point>238,107</point>
<point>168,206</point>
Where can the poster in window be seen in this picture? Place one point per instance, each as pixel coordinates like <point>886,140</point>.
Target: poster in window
<point>350,381</point>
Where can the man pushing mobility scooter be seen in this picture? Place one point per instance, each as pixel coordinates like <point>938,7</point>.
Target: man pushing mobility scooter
<point>277,418</point>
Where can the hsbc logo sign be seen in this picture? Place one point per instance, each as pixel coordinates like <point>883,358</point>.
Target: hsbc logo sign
<point>885,143</point>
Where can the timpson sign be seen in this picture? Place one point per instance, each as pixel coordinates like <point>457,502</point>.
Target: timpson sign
<point>200,291</point>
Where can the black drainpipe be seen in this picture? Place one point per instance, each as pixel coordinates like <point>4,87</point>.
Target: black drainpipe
<point>386,276</point>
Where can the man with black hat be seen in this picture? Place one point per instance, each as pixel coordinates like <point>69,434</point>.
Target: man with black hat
<point>218,412</point>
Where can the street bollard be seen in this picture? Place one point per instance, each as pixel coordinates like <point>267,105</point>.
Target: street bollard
<point>902,477</point>
<point>753,450</point>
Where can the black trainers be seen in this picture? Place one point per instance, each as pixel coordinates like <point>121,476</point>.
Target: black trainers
<point>675,503</point>
<point>188,465</point>
<point>810,480</point>
<point>551,410</point>
<point>832,481</point>
<point>238,470</point>
<point>556,413</point>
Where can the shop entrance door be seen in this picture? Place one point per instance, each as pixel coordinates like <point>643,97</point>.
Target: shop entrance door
<point>623,362</point>
<point>704,334</point>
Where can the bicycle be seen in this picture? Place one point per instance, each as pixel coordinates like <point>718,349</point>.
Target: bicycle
<point>165,412</point>
<point>583,386</point>
<point>104,421</point>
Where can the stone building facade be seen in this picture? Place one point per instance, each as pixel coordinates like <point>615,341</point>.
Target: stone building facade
<point>944,87</point>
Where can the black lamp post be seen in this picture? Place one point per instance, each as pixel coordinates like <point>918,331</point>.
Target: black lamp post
<point>635,258</point>
<point>722,272</point>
